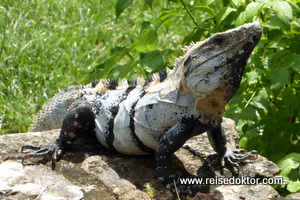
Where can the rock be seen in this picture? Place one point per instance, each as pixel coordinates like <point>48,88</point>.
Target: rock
<point>88,171</point>
<point>35,182</point>
<point>295,196</point>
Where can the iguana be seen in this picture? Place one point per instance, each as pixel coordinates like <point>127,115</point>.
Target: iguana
<point>156,115</point>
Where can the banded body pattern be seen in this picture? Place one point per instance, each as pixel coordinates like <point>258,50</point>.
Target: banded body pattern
<point>132,121</point>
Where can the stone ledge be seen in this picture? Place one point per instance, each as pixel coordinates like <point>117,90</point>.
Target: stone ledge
<point>90,172</point>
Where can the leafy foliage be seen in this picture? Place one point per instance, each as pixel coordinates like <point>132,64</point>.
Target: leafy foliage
<point>290,169</point>
<point>76,42</point>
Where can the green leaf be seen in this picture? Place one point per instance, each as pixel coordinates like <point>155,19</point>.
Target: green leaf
<point>261,103</point>
<point>294,5</point>
<point>279,78</point>
<point>288,96</point>
<point>295,26</point>
<point>117,49</point>
<point>207,9</point>
<point>293,61</point>
<point>289,162</point>
<point>147,25</point>
<point>292,156</point>
<point>147,40</point>
<point>105,67</point>
<point>223,14</point>
<point>121,5</point>
<point>194,36</point>
<point>152,61</point>
<point>165,16</point>
<point>293,186</point>
<point>127,68</point>
<point>238,3</point>
<point>275,59</point>
<point>249,113</point>
<point>252,10</point>
<point>167,53</point>
<point>243,142</point>
<point>283,11</point>
<point>261,100</point>
<point>149,3</point>
<point>241,19</point>
<point>206,2</point>
<point>252,77</point>
<point>275,22</point>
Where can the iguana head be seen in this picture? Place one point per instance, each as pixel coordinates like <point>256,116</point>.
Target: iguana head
<point>212,69</point>
<point>219,61</point>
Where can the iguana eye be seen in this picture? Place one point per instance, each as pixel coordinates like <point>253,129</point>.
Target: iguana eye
<point>219,39</point>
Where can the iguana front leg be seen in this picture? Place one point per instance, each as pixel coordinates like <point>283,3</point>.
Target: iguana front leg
<point>79,120</point>
<point>232,157</point>
<point>168,144</point>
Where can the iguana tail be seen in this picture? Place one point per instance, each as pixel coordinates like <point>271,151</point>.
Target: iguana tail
<point>53,113</point>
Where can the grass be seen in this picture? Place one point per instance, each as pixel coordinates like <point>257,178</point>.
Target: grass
<point>48,45</point>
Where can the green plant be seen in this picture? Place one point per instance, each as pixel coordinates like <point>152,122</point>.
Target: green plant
<point>290,171</point>
<point>150,190</point>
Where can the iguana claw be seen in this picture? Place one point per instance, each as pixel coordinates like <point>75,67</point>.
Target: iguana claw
<point>233,157</point>
<point>53,149</point>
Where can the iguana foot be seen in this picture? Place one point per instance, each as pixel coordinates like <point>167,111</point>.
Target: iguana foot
<point>53,149</point>
<point>233,157</point>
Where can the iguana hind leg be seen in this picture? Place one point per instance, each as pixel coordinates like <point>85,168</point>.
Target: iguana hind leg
<point>79,120</point>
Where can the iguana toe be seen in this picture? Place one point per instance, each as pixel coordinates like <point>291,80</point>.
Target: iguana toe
<point>53,149</point>
<point>233,157</point>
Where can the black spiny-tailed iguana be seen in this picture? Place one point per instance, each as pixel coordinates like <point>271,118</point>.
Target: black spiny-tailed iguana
<point>159,114</point>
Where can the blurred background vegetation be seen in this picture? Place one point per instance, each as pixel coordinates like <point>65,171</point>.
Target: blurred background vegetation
<point>48,45</point>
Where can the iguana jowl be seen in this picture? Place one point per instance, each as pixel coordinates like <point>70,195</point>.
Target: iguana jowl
<point>159,114</point>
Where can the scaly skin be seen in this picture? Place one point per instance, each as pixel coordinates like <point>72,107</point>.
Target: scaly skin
<point>158,115</point>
